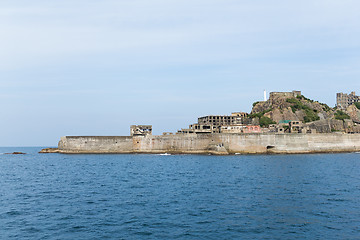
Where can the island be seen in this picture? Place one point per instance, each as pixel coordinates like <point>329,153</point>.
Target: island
<point>286,123</point>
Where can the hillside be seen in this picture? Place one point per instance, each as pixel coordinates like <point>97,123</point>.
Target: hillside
<point>354,112</point>
<point>279,108</point>
<point>285,106</point>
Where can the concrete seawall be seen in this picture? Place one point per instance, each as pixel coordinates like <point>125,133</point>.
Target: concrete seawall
<point>212,143</point>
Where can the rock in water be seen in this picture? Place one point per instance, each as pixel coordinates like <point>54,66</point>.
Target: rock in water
<point>49,150</point>
<point>16,153</point>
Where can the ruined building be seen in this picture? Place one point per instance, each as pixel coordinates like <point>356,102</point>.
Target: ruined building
<point>276,95</point>
<point>140,130</point>
<point>285,94</point>
<point>344,100</point>
<point>220,120</point>
<point>283,112</point>
<point>222,124</point>
<point>240,129</point>
<point>210,124</point>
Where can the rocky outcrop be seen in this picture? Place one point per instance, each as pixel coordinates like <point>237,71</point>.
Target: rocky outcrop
<point>354,113</point>
<point>50,150</point>
<point>282,107</point>
<point>327,125</point>
<point>284,114</point>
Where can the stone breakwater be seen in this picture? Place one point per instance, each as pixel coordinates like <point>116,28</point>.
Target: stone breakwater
<point>221,144</point>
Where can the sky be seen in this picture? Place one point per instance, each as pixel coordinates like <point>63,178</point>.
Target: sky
<point>90,67</point>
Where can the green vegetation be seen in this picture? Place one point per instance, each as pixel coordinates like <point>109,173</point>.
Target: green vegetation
<point>265,121</point>
<point>260,114</point>
<point>293,100</point>
<point>310,116</point>
<point>254,104</point>
<point>357,104</point>
<point>340,115</point>
<point>304,98</point>
<point>326,108</point>
<point>298,105</point>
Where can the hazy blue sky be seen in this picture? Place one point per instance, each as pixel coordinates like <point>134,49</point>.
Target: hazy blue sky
<point>86,67</point>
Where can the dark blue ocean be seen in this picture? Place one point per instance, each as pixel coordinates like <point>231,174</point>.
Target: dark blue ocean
<point>55,196</point>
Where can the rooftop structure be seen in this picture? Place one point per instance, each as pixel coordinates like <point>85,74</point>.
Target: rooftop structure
<point>140,130</point>
<point>276,95</point>
<point>240,114</point>
<point>285,94</point>
<point>344,100</point>
<point>200,128</point>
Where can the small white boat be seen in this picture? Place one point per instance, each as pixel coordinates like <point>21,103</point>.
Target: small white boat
<point>164,154</point>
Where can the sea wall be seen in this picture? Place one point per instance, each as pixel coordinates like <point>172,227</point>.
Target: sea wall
<point>213,143</point>
<point>96,144</point>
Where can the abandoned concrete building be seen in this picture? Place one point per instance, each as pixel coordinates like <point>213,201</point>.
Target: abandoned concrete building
<point>240,129</point>
<point>319,126</point>
<point>285,94</point>
<point>344,100</point>
<point>288,126</point>
<point>140,130</point>
<point>222,124</point>
<point>240,114</point>
<point>200,128</point>
<point>240,122</point>
<point>295,126</point>
<point>220,120</point>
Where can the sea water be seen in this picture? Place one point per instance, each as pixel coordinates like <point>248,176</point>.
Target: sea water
<point>57,196</point>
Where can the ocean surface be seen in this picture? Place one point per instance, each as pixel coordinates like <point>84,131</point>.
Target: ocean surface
<point>55,196</point>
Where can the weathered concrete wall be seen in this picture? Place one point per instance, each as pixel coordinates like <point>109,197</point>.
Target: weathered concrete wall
<point>326,125</point>
<point>214,143</point>
<point>96,144</point>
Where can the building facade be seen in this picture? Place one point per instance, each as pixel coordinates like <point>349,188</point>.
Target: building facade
<point>344,100</point>
<point>285,94</point>
<point>240,129</point>
<point>220,120</point>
